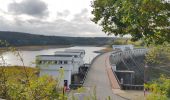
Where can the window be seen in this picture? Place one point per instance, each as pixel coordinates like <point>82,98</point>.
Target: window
<point>56,62</point>
<point>52,62</point>
<point>75,56</point>
<point>43,62</point>
<point>65,62</point>
<point>48,62</point>
<point>39,62</point>
<point>60,62</point>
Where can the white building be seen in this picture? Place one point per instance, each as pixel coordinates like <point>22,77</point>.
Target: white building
<point>78,58</point>
<point>68,61</point>
<point>76,51</point>
<point>123,47</point>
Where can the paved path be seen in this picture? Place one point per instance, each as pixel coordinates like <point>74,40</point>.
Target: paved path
<point>98,76</point>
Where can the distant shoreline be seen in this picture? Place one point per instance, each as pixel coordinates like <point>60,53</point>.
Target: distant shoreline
<point>36,48</point>
<point>42,47</point>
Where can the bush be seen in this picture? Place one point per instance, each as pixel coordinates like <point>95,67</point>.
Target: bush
<point>159,89</point>
<point>17,87</point>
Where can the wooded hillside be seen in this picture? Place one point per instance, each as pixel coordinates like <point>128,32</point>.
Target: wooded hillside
<point>25,39</point>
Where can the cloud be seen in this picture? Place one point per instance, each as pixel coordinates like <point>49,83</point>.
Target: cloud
<point>82,17</point>
<point>34,8</point>
<point>80,25</point>
<point>65,13</point>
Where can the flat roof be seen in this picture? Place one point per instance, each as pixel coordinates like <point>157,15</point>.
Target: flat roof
<point>67,53</point>
<point>53,57</point>
<point>74,50</point>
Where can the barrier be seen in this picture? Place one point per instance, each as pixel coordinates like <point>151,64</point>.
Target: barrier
<point>75,86</point>
<point>119,56</point>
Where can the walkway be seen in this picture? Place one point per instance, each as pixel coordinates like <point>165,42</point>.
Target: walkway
<point>98,77</point>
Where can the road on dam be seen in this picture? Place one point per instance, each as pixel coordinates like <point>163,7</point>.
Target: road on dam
<point>99,78</point>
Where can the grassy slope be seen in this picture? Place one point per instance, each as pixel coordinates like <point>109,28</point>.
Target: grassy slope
<point>18,72</point>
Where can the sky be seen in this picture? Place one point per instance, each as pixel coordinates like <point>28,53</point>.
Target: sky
<point>49,17</point>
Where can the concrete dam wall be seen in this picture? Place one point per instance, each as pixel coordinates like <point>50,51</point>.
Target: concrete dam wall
<point>129,66</point>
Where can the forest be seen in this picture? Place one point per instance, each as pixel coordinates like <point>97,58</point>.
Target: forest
<point>27,39</point>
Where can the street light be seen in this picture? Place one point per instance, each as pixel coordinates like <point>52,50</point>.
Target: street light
<point>145,67</point>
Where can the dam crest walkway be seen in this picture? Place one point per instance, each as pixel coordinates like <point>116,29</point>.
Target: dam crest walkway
<point>101,78</point>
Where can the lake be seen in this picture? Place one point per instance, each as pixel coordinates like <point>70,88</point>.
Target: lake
<point>29,56</point>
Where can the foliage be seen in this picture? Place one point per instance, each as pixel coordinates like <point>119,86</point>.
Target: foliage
<point>147,19</point>
<point>158,54</point>
<point>158,58</point>
<point>25,39</point>
<point>37,89</point>
<point>125,41</point>
<point>159,89</point>
<point>17,87</point>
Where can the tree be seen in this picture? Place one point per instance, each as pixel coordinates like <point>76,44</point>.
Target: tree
<point>142,19</point>
<point>158,55</point>
<point>159,89</point>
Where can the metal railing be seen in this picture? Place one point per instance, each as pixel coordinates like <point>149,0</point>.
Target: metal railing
<point>128,86</point>
<point>85,75</point>
<point>132,87</point>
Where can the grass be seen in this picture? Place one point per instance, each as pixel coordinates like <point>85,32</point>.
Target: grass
<point>18,72</point>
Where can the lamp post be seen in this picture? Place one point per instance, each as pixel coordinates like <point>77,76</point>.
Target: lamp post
<point>145,67</point>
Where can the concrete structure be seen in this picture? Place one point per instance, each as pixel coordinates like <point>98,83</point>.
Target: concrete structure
<point>76,51</point>
<point>102,73</point>
<point>122,47</point>
<point>101,77</point>
<point>117,56</point>
<point>78,58</point>
<point>113,67</point>
<point>67,61</point>
<point>127,74</point>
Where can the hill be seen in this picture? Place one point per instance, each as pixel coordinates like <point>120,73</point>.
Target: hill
<point>27,39</point>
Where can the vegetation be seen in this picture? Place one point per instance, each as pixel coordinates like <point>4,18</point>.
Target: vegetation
<point>125,41</point>
<point>159,89</point>
<point>25,39</point>
<point>158,59</point>
<point>14,85</point>
<point>142,19</point>
<point>146,20</point>
<point>159,55</point>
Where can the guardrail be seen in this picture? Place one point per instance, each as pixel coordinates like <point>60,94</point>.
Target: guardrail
<point>116,78</point>
<point>74,86</point>
<point>89,68</point>
<point>132,87</point>
<point>121,55</point>
<point>82,82</point>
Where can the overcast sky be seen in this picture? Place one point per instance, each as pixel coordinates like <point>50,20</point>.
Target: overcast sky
<point>49,17</point>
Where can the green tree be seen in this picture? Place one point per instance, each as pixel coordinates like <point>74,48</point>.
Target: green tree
<point>159,89</point>
<point>142,19</point>
<point>158,55</point>
<point>158,58</point>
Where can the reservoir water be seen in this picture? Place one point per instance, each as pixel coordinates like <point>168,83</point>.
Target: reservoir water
<point>29,56</point>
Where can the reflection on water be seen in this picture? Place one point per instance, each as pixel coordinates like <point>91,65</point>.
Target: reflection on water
<point>29,56</point>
